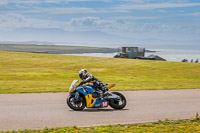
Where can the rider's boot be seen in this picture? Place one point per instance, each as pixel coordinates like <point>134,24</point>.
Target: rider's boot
<point>103,93</point>
<point>100,94</point>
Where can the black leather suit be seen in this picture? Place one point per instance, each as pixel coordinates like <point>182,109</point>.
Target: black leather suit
<point>96,83</point>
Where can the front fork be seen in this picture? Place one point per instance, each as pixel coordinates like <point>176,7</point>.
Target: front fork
<point>76,96</point>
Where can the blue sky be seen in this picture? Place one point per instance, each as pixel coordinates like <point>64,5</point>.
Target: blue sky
<point>101,22</point>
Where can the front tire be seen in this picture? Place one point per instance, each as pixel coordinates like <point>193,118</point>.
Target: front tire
<point>118,104</point>
<point>76,105</point>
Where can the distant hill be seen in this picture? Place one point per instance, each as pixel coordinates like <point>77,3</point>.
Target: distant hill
<point>31,47</point>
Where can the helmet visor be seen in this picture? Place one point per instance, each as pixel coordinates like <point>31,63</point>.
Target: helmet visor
<point>81,76</point>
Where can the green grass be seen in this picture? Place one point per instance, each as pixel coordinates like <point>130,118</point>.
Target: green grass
<point>167,126</point>
<point>29,72</point>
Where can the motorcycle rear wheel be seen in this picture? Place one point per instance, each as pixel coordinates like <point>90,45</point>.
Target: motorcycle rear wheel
<point>76,105</point>
<point>116,104</point>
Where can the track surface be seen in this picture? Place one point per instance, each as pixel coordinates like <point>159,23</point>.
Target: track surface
<point>36,111</point>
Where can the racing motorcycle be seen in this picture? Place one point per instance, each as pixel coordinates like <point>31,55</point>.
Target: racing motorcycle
<point>88,96</point>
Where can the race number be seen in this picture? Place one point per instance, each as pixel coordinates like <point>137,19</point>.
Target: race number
<point>104,104</point>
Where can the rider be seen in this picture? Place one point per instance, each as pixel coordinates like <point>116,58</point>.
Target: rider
<point>87,77</point>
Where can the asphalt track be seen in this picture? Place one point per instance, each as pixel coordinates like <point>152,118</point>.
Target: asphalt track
<point>40,110</point>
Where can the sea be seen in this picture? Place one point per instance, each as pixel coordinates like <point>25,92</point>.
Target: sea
<point>169,52</point>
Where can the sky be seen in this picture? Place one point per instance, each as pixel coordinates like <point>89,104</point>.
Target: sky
<point>163,22</point>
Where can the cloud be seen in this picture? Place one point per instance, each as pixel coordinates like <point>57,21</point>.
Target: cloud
<point>69,10</point>
<point>125,6</point>
<point>162,11</point>
<point>133,29</point>
<point>123,26</point>
<point>92,23</point>
<point>112,24</point>
<point>5,2</point>
<point>13,21</point>
<point>127,18</point>
<point>154,6</point>
<point>192,14</point>
<point>136,1</point>
<point>114,17</point>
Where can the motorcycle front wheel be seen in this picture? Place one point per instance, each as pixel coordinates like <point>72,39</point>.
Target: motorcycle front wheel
<point>118,104</point>
<point>74,104</point>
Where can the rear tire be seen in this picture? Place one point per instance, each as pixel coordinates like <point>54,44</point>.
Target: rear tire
<point>76,105</point>
<point>115,104</point>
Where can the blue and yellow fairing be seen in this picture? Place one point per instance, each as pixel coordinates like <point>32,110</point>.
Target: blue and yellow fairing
<point>87,90</point>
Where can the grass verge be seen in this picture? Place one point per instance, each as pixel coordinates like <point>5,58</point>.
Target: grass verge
<point>171,126</point>
<point>29,72</point>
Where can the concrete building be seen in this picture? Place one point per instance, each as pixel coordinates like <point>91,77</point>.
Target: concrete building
<point>134,52</point>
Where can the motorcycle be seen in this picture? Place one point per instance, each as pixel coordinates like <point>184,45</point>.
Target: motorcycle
<point>88,96</point>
